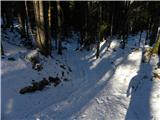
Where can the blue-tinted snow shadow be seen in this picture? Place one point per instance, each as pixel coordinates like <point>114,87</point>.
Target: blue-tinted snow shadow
<point>74,102</point>
<point>87,91</point>
<point>139,89</point>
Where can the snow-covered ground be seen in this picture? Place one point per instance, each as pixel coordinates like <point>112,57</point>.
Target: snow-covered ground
<point>116,86</point>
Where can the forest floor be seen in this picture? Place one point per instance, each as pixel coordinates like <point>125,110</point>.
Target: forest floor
<point>116,86</point>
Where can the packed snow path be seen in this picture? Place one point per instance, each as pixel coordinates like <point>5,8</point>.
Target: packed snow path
<point>116,86</point>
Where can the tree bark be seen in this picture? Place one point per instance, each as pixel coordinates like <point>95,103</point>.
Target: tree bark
<point>42,43</point>
<point>47,24</point>
<point>59,29</point>
<point>99,34</point>
<point>140,37</point>
<point>2,51</point>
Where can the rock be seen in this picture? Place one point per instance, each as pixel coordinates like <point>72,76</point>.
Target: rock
<point>11,59</point>
<point>62,73</point>
<point>44,82</point>
<point>34,61</point>
<point>51,79</point>
<point>33,55</point>
<point>65,79</point>
<point>27,89</point>
<point>38,67</point>
<point>55,80</point>
<point>41,84</point>
<point>62,66</point>
<point>35,86</point>
<point>69,69</point>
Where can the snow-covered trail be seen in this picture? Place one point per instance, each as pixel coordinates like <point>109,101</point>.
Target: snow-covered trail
<point>99,89</point>
<point>102,89</point>
<point>99,86</point>
<point>105,86</point>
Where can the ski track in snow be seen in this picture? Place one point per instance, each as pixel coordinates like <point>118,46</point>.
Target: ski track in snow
<point>99,89</point>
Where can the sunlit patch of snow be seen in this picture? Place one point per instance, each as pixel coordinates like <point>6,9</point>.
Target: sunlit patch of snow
<point>97,88</point>
<point>10,66</point>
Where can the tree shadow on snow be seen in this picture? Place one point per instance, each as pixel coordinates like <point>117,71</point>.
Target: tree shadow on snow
<point>96,79</point>
<point>67,103</point>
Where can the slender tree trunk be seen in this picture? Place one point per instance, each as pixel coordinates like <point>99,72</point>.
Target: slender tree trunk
<point>154,34</point>
<point>99,33</point>
<point>111,32</point>
<point>2,51</point>
<point>156,47</point>
<point>21,17</point>
<point>147,34</point>
<point>86,34</point>
<point>8,13</point>
<point>4,18</point>
<point>98,44</point>
<point>140,37</point>
<point>59,29</point>
<point>40,27</point>
<point>49,30</point>
<point>28,25</point>
<point>54,22</point>
<point>125,24</point>
<point>47,26</point>
<point>147,31</point>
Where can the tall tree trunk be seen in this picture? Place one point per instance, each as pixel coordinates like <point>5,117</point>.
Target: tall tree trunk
<point>26,21</point>
<point>86,34</point>
<point>59,28</point>
<point>49,32</point>
<point>47,24</point>
<point>140,37</point>
<point>147,34</point>
<point>54,22</point>
<point>40,28</point>
<point>154,33</point>
<point>99,33</point>
<point>4,18</point>
<point>2,51</point>
<point>112,18</point>
<point>125,24</point>
<point>22,19</point>
<point>8,13</point>
<point>148,19</point>
<point>28,25</point>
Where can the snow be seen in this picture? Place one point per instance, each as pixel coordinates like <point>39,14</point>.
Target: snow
<point>114,86</point>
